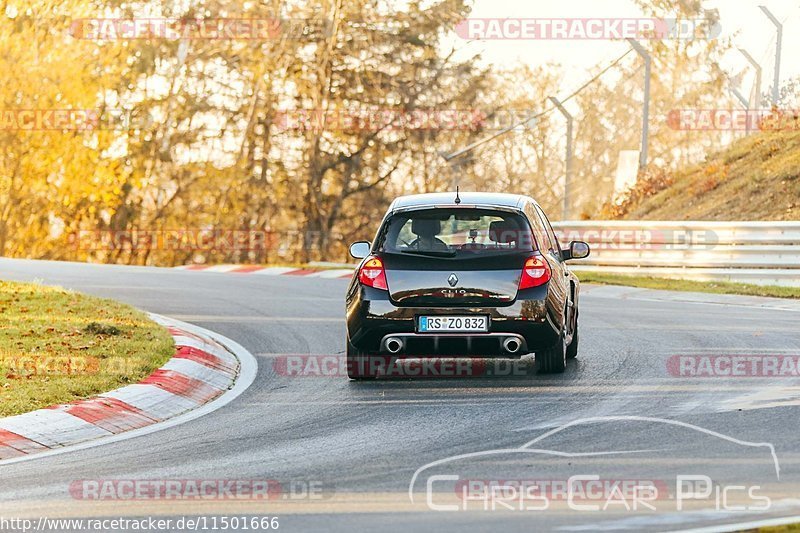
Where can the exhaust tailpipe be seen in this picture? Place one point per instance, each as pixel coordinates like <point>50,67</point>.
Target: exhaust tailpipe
<point>511,345</point>
<point>394,345</point>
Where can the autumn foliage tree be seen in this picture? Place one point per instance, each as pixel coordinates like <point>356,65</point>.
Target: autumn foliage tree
<point>285,133</point>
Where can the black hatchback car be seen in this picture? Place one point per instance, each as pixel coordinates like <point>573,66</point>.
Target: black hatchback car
<point>469,274</point>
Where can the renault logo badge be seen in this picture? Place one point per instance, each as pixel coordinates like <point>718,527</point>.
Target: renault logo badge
<point>452,280</point>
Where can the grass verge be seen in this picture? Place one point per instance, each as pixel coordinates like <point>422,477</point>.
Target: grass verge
<point>57,346</point>
<point>780,529</point>
<point>757,177</point>
<point>716,287</point>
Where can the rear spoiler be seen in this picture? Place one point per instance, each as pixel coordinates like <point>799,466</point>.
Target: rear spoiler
<point>507,209</point>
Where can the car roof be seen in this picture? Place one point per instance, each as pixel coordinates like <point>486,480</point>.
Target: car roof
<point>483,199</point>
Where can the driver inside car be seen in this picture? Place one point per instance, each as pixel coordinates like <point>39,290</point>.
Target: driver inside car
<point>426,230</point>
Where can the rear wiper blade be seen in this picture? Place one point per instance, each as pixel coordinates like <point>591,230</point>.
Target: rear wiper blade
<point>432,253</point>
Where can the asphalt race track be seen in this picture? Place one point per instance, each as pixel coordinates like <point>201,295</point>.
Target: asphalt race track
<point>346,453</point>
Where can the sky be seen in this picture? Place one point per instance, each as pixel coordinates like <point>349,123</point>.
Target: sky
<point>741,20</point>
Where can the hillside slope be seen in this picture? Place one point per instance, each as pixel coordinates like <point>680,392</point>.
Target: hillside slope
<point>756,178</point>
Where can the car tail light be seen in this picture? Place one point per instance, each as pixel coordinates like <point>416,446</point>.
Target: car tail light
<point>535,272</point>
<point>372,273</point>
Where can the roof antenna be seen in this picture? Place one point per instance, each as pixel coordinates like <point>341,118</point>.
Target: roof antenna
<point>458,200</point>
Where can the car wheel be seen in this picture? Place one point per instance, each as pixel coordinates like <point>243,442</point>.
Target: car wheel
<point>553,360</point>
<point>358,364</point>
<point>572,349</point>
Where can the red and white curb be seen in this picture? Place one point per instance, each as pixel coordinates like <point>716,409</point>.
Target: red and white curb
<point>334,273</point>
<point>206,372</point>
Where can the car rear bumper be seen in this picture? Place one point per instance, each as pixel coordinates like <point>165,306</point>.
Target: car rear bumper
<point>476,345</point>
<point>372,319</point>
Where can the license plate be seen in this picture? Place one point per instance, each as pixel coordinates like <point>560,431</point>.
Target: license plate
<point>438,324</point>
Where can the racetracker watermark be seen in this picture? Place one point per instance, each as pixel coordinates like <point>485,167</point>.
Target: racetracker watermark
<point>734,119</point>
<point>640,239</point>
<point>734,366</point>
<point>337,366</point>
<point>591,493</point>
<point>49,119</point>
<point>584,488</point>
<point>178,29</point>
<point>20,366</point>
<point>149,523</point>
<point>199,240</point>
<point>569,28</point>
<point>388,119</point>
<point>75,119</point>
<point>198,489</point>
<point>538,494</point>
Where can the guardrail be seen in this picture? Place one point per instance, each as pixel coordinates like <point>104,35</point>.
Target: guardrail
<point>764,253</point>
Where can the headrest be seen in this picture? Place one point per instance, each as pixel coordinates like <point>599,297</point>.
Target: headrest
<point>426,227</point>
<point>503,232</point>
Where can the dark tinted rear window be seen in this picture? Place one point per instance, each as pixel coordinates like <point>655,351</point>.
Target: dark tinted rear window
<point>460,232</point>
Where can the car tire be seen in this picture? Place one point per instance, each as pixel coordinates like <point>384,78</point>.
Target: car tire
<point>358,364</point>
<point>572,348</point>
<point>552,360</point>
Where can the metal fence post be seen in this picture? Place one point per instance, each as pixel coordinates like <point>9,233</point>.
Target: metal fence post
<point>778,40</point>
<point>745,103</point>
<point>568,164</point>
<point>757,68</point>
<point>646,104</point>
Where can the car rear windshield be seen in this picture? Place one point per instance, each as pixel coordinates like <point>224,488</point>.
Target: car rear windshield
<point>462,232</point>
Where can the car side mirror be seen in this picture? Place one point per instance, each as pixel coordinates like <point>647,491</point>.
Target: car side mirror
<point>577,250</point>
<point>360,249</point>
